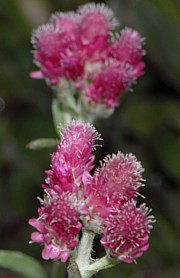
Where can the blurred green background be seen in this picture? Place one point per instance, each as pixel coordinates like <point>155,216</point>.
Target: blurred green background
<point>147,123</point>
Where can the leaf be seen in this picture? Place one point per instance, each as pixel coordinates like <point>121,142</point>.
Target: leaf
<point>42,143</point>
<point>23,264</point>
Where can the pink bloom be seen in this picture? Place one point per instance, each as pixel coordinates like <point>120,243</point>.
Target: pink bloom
<point>46,54</point>
<point>72,43</point>
<point>78,47</point>
<point>104,202</point>
<point>109,84</point>
<point>115,183</point>
<point>128,48</point>
<point>73,157</point>
<point>56,49</point>
<point>97,20</point>
<point>127,232</point>
<point>67,25</point>
<point>63,46</point>
<point>58,225</point>
<point>46,40</point>
<point>121,174</point>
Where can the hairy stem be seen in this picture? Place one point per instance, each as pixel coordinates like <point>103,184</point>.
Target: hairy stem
<point>72,269</point>
<point>84,251</point>
<point>100,264</point>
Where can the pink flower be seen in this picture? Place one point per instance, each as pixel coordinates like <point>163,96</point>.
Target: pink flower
<point>108,85</point>
<point>58,225</point>
<point>104,202</point>
<point>73,157</point>
<point>97,20</point>
<point>112,185</point>
<point>69,40</point>
<point>56,48</point>
<point>80,48</point>
<point>67,26</point>
<point>127,232</point>
<point>128,48</point>
<point>119,173</point>
<point>46,54</point>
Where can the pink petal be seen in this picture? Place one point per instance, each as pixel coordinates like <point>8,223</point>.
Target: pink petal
<point>64,255</point>
<point>36,74</point>
<point>37,237</point>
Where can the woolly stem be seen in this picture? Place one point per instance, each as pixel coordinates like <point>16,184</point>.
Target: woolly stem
<point>84,252</point>
<point>100,264</point>
<point>72,269</point>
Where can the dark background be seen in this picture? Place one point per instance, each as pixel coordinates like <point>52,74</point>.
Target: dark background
<point>147,123</point>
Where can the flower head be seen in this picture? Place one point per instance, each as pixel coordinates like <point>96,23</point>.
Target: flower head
<point>109,84</point>
<point>104,202</point>
<point>127,232</point>
<point>58,225</point>
<point>67,26</point>
<point>119,173</point>
<point>116,182</point>
<point>128,48</point>
<point>73,157</point>
<point>47,53</point>
<point>97,20</point>
<point>79,47</point>
<point>56,48</point>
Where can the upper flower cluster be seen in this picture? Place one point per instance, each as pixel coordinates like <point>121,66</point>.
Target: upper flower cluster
<point>105,202</point>
<point>81,48</point>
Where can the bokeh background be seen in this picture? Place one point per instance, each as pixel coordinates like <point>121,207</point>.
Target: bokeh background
<point>147,123</point>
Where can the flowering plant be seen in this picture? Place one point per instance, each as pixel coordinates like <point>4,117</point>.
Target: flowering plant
<point>86,64</point>
<point>104,203</point>
<point>88,67</point>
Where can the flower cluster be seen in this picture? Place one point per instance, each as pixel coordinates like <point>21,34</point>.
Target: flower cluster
<point>81,48</point>
<point>104,202</point>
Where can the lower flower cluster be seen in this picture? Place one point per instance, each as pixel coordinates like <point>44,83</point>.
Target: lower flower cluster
<point>104,202</point>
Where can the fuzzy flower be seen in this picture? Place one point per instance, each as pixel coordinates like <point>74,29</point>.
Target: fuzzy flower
<point>116,182</point>
<point>128,48</point>
<point>97,20</point>
<point>73,157</point>
<point>121,174</point>
<point>127,232</point>
<point>104,202</point>
<point>46,54</point>
<point>58,225</point>
<point>63,46</point>
<point>109,84</point>
<point>79,46</point>
<point>56,48</point>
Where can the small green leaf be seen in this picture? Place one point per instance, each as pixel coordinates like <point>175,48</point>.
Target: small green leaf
<point>23,264</point>
<point>42,143</point>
